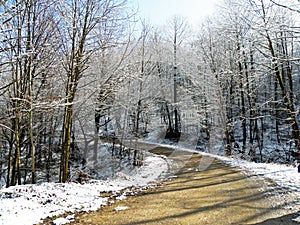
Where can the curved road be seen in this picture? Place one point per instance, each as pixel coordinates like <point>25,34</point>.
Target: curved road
<point>219,194</point>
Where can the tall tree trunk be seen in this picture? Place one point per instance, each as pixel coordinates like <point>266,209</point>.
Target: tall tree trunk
<point>170,124</point>
<point>16,174</point>
<point>249,91</point>
<point>32,141</point>
<point>228,150</point>
<point>243,107</point>
<point>10,161</point>
<point>276,109</point>
<point>66,142</point>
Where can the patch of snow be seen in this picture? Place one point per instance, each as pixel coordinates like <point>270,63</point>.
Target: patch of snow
<point>36,202</point>
<point>297,219</point>
<point>61,221</point>
<point>121,198</point>
<point>121,208</point>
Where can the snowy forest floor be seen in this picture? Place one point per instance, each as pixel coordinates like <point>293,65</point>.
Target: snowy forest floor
<point>200,189</point>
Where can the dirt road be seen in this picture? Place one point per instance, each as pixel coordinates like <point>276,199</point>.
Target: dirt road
<point>217,195</point>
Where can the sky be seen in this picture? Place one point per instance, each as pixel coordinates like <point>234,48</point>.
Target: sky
<point>159,11</point>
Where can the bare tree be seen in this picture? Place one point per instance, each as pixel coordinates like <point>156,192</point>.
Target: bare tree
<point>280,44</point>
<point>176,34</point>
<point>27,33</point>
<point>80,20</point>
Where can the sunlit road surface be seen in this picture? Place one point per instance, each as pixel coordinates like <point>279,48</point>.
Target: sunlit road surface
<point>218,194</point>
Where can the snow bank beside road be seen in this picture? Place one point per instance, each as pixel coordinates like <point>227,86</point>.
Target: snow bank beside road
<point>29,204</point>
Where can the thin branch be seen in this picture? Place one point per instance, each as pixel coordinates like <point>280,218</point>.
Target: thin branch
<point>285,6</point>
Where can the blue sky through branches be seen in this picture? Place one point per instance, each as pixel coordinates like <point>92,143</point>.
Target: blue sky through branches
<point>159,11</point>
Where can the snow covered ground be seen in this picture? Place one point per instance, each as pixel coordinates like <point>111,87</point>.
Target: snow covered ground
<point>28,204</point>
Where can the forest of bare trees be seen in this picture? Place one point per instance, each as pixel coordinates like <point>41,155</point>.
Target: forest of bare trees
<point>74,71</point>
